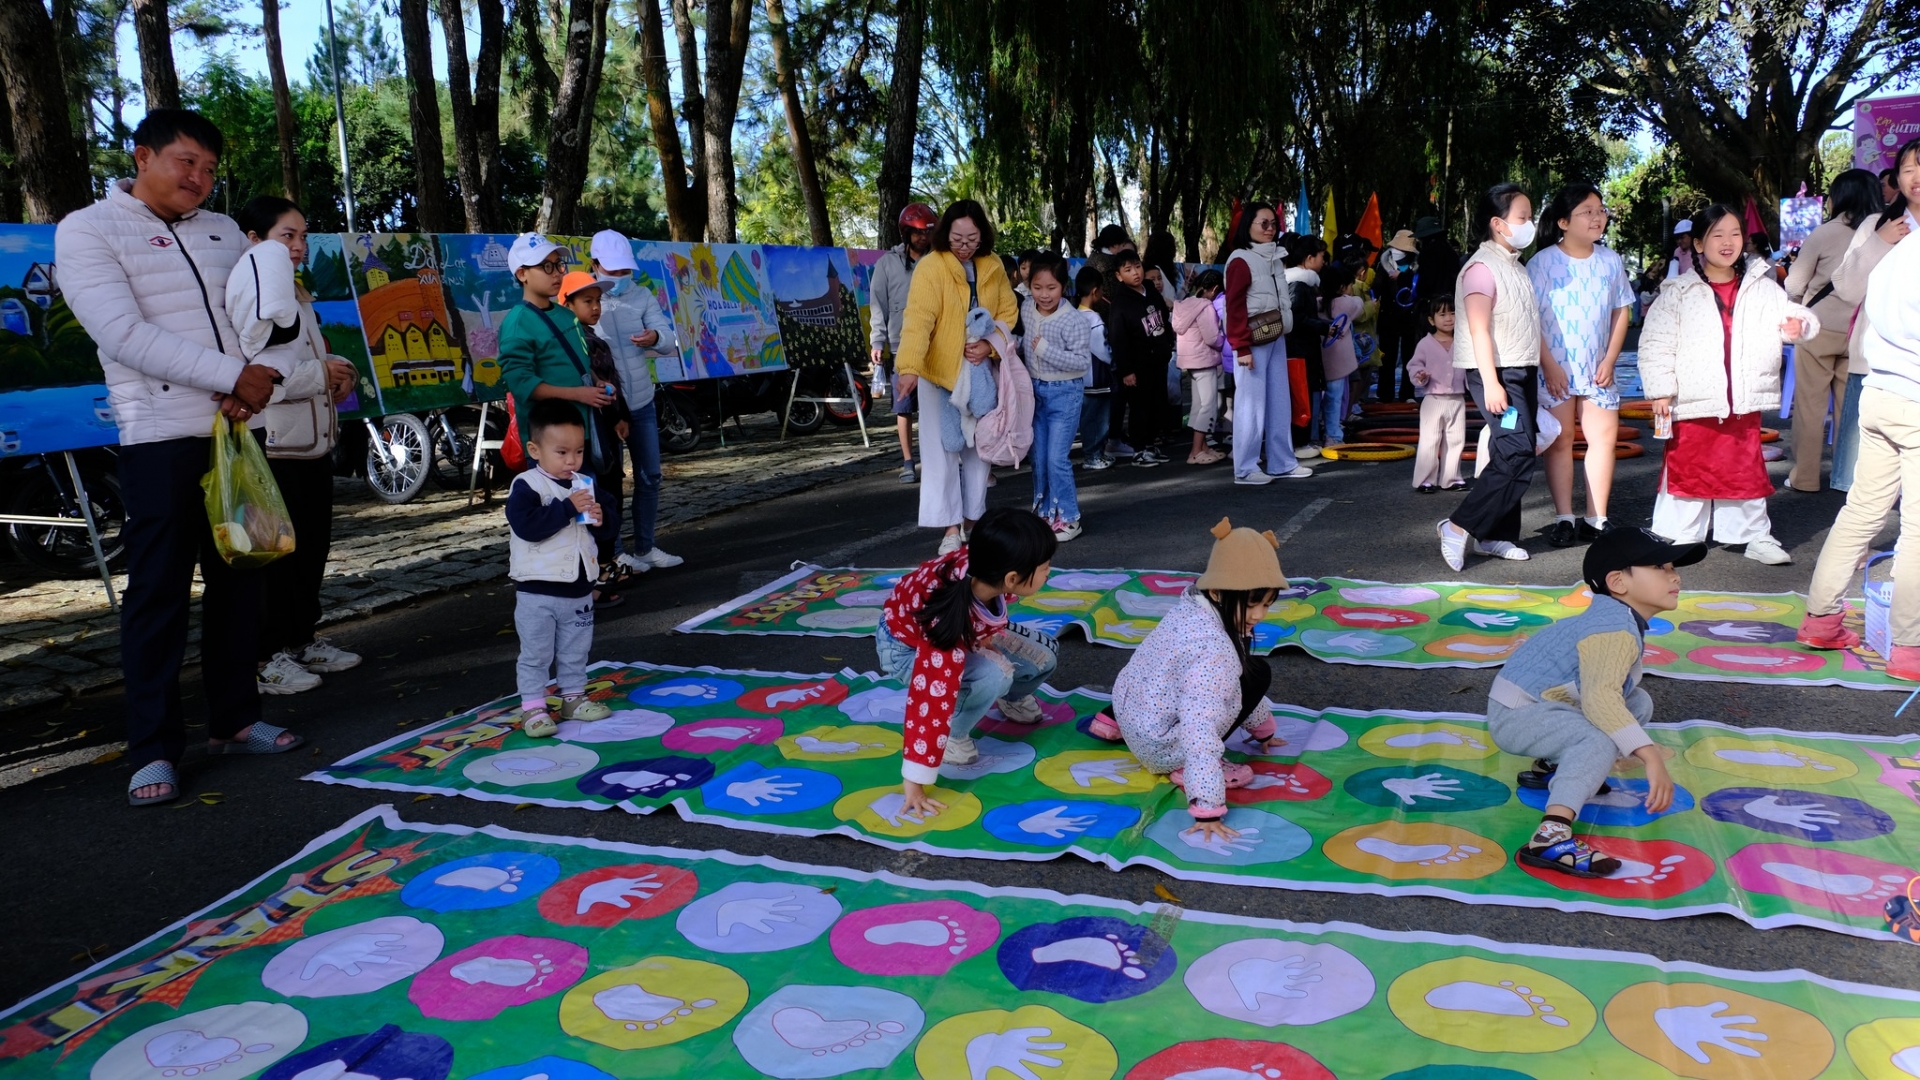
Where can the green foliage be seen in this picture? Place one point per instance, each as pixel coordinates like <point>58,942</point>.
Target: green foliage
<point>56,353</point>
<point>367,55</point>
<point>1642,221</point>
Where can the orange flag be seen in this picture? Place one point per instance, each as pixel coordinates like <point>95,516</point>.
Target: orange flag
<point>1369,226</point>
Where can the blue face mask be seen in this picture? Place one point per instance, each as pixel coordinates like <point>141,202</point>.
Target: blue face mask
<point>620,285</point>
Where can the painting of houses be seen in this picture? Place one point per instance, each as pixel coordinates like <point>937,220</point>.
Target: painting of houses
<point>51,392</point>
<point>817,308</point>
<point>415,348</point>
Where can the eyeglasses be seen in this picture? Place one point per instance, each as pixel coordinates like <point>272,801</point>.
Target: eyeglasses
<point>1602,214</point>
<point>962,241</point>
<point>551,266</point>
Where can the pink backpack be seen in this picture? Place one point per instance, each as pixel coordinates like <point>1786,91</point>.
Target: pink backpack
<point>1004,435</point>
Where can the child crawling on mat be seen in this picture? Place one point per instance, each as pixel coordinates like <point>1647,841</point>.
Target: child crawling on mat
<point>1193,683</point>
<point>945,633</point>
<point>1570,697</point>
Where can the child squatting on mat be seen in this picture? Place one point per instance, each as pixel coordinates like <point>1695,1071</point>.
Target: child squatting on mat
<point>1192,683</point>
<point>944,632</point>
<point>1570,697</point>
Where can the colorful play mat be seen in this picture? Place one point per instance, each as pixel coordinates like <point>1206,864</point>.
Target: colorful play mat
<point>1715,637</point>
<point>388,950</point>
<point>1776,828</point>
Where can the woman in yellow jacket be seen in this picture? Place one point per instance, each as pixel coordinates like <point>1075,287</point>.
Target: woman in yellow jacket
<point>961,273</point>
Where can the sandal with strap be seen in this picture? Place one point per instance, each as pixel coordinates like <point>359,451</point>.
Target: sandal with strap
<point>261,739</point>
<point>1540,777</point>
<point>1571,856</point>
<point>153,772</point>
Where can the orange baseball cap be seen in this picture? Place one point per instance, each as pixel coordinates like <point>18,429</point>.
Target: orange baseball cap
<point>574,282</point>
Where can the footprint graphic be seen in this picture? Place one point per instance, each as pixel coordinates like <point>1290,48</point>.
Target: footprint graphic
<point>523,764</point>
<point>1434,738</point>
<point>507,971</point>
<point>804,1029</point>
<point>637,1009</point>
<point>1262,781</point>
<point>1847,886</point>
<point>190,1051</point>
<point>692,692</point>
<point>1107,952</point>
<point>1506,999</point>
<point>723,732</point>
<point>483,879</point>
<point>1635,872</point>
<point>928,933</point>
<point>1778,759</point>
<point>1421,854</point>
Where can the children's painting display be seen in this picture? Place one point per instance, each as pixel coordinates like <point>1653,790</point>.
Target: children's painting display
<point>816,306</point>
<point>419,357</point>
<point>723,309</point>
<point>479,291</point>
<point>52,394</point>
<point>654,260</point>
<point>1880,127</point>
<point>862,261</point>
<point>328,279</point>
<point>389,949</point>
<point>1798,218</point>
<point>1773,827</point>
<point>1712,637</point>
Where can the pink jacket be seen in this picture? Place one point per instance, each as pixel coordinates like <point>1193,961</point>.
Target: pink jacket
<point>1198,330</point>
<point>1437,361</point>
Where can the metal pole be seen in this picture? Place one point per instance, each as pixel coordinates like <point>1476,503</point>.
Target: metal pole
<point>340,116</point>
<point>93,530</point>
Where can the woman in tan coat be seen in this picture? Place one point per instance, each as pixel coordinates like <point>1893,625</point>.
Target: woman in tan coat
<point>1820,366</point>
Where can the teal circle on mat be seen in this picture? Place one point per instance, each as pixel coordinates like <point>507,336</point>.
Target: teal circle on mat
<point>1426,789</point>
<point>1264,838</point>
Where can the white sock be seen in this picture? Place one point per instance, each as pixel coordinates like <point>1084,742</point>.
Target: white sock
<point>1568,518</point>
<point>1597,522</point>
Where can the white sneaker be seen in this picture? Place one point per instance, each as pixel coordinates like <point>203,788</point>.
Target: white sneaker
<point>1501,549</point>
<point>1066,530</point>
<point>284,675</point>
<point>323,655</point>
<point>659,559</point>
<point>1300,472</point>
<point>1768,550</point>
<point>949,544</point>
<point>1453,544</point>
<point>634,563</point>
<point>1306,453</point>
<point>1255,477</point>
<point>1024,711</point>
<point>960,751</point>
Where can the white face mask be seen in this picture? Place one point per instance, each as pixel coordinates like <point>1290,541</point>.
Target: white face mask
<point>1520,235</point>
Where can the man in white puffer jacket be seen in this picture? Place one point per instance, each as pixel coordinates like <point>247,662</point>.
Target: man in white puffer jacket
<point>145,271</point>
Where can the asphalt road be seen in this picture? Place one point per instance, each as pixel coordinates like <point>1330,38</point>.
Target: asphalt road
<point>92,876</point>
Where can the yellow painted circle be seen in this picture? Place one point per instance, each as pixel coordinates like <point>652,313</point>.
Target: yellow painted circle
<point>1494,596</point>
<point>1717,606</point>
<point>1886,1049</point>
<point>1290,611</point>
<point>1094,773</point>
<point>1482,648</point>
<point>1402,850</point>
<point>1124,627</point>
<point>855,742</point>
<point>1646,1017</point>
<point>1429,742</point>
<point>1032,1032</point>
<point>1480,1005</point>
<point>1770,761</point>
<point>655,1002</point>
<point>1054,602</point>
<point>878,810</point>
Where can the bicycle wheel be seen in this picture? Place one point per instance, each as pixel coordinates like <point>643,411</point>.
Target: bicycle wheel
<point>398,460</point>
<point>453,456</point>
<point>63,551</point>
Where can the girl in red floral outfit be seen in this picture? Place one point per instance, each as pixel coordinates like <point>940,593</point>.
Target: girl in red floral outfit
<point>945,633</point>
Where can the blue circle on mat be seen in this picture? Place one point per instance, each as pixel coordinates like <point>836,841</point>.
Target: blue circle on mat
<point>692,692</point>
<point>1052,625</point>
<point>1657,626</point>
<point>495,879</point>
<point>750,788</point>
<point>1803,815</point>
<point>1093,958</point>
<point>1362,643</point>
<point>386,1054</point>
<point>648,778</point>
<point>1625,806</point>
<point>1057,822</point>
<point>554,1068</point>
<point>1267,636</point>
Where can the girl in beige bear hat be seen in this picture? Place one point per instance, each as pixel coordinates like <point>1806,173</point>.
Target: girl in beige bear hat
<point>1192,683</point>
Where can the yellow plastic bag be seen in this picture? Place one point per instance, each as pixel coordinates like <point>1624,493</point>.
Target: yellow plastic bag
<point>250,523</point>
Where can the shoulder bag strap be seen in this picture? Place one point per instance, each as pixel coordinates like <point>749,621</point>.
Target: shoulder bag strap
<point>595,455</point>
<point>578,364</point>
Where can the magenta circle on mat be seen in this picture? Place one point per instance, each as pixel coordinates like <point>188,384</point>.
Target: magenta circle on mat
<point>1756,659</point>
<point>1838,881</point>
<point>1166,584</point>
<point>1655,656</point>
<point>924,938</point>
<point>481,981</point>
<point>1051,713</point>
<point>727,733</point>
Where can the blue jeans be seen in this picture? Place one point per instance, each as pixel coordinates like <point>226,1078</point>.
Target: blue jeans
<point>1096,423</point>
<point>643,442</point>
<point>1846,434</point>
<point>1056,412</point>
<point>1014,664</point>
<point>1331,410</point>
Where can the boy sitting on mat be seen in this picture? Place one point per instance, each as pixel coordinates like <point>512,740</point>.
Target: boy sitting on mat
<point>1571,698</point>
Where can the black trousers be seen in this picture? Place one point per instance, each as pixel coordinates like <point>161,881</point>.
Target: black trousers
<point>292,582</point>
<point>1491,511</point>
<point>1255,680</point>
<point>166,535</point>
<point>1399,333</point>
<point>1147,406</point>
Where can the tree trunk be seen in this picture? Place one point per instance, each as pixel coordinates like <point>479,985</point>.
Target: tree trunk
<point>820,231</point>
<point>282,99</point>
<point>153,33</point>
<point>686,219</point>
<point>12,208</point>
<point>596,71</point>
<point>540,101</point>
<point>728,22</point>
<point>486,111</point>
<point>572,121</point>
<point>466,146</point>
<point>903,118</point>
<point>47,163</point>
<point>423,117</point>
<point>693,105</point>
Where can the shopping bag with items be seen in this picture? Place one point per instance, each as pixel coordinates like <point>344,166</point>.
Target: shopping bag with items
<point>250,523</point>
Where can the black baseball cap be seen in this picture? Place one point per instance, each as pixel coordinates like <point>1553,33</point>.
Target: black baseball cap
<point>1624,549</point>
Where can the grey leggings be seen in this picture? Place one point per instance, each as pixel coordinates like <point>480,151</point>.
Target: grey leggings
<point>1562,734</point>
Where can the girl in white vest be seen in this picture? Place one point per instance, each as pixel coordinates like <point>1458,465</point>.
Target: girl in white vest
<point>1498,343</point>
<point>1258,318</point>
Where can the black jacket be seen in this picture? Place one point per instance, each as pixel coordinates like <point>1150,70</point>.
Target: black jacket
<point>1139,332</point>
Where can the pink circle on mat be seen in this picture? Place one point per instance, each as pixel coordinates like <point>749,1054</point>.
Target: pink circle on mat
<point>729,733</point>
<point>927,937</point>
<point>1818,877</point>
<point>1166,586</point>
<point>1756,659</point>
<point>481,981</point>
<point>1051,713</point>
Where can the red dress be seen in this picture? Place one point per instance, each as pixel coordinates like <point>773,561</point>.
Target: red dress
<point>1711,458</point>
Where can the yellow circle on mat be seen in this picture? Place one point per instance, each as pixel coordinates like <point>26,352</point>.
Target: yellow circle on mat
<point>1096,773</point>
<point>1476,647</point>
<point>1717,606</point>
<point>1480,1005</point>
<point>1494,597</point>
<point>1031,1033</point>
<point>1647,1017</point>
<point>855,742</point>
<point>1290,611</point>
<point>1126,629</point>
<point>878,810</point>
<point>658,1001</point>
<point>1401,850</point>
<point>1769,760</point>
<point>1886,1049</point>
<point>1060,601</point>
<point>1422,742</point>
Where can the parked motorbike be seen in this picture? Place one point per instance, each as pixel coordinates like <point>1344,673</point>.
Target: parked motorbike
<point>696,405</point>
<point>42,487</point>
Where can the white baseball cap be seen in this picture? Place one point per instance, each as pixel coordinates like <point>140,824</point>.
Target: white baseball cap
<point>1685,226</point>
<point>529,249</point>
<point>613,251</point>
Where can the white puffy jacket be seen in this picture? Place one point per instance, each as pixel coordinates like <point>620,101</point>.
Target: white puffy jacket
<point>1683,344</point>
<point>153,296</point>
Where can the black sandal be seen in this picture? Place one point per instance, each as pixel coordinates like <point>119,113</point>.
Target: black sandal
<point>1540,777</point>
